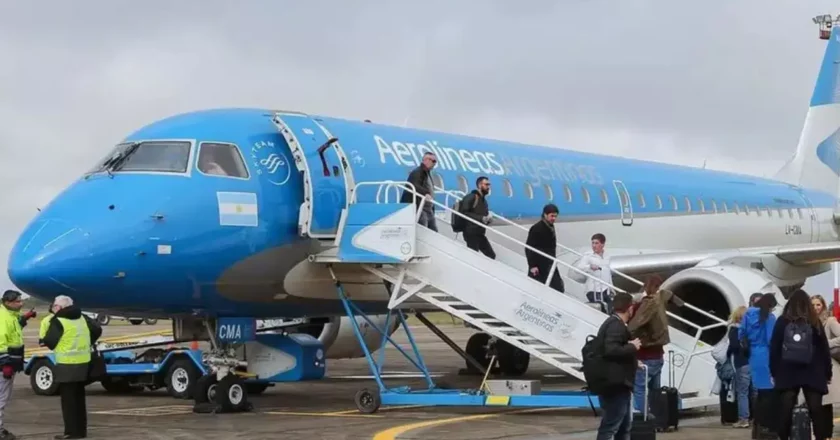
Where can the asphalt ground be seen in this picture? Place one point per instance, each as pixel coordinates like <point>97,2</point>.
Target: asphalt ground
<point>326,410</point>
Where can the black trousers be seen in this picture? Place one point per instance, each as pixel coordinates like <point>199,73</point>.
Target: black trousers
<point>813,399</point>
<point>556,281</point>
<point>73,408</point>
<point>479,243</point>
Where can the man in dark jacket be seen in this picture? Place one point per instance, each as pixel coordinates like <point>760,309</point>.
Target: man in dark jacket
<point>620,357</point>
<point>71,335</point>
<point>474,205</point>
<point>542,237</point>
<point>421,178</point>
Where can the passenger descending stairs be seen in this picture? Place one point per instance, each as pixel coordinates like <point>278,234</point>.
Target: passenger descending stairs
<point>492,296</point>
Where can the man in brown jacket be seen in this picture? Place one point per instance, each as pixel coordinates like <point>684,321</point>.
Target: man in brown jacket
<point>650,325</point>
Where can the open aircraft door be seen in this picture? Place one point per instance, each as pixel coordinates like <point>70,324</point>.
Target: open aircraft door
<point>327,177</point>
<point>625,202</point>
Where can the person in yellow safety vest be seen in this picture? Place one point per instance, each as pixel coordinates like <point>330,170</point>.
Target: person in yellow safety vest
<point>71,335</point>
<point>45,324</point>
<point>11,349</point>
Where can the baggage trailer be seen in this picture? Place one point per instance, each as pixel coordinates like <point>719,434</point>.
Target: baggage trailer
<point>151,361</point>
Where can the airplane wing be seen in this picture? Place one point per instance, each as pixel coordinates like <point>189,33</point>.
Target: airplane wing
<point>668,263</point>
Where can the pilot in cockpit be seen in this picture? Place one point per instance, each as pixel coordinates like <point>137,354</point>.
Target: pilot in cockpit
<point>208,162</point>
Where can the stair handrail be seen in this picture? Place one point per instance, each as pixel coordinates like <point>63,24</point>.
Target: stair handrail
<point>407,186</point>
<point>558,244</point>
<point>679,318</point>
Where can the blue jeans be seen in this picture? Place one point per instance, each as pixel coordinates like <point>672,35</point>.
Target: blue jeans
<point>617,417</point>
<point>654,377</point>
<point>742,391</point>
<point>427,219</point>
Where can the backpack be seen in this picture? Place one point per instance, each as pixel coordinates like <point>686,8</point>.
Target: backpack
<point>594,367</point>
<point>458,222</point>
<point>798,345</point>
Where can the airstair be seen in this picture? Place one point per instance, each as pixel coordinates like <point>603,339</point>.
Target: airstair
<point>495,296</point>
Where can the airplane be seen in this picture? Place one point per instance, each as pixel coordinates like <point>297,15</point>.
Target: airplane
<point>213,213</point>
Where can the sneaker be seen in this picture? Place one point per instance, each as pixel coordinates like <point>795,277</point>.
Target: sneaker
<point>742,424</point>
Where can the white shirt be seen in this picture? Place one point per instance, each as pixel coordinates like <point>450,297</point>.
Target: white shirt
<point>603,273</point>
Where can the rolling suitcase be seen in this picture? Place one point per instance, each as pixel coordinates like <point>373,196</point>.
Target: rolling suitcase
<point>666,404</point>
<point>728,408</point>
<point>643,429</point>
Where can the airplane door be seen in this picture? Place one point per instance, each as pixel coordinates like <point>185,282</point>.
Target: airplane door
<point>327,177</point>
<point>625,202</point>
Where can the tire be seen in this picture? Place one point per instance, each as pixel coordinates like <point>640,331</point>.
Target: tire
<point>205,389</point>
<point>512,360</point>
<point>254,389</point>
<point>477,348</point>
<point>231,394</point>
<point>42,378</point>
<point>103,319</point>
<point>135,321</point>
<point>181,378</point>
<point>150,321</point>
<point>367,401</point>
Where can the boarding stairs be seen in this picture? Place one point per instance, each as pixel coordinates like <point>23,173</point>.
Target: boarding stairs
<point>490,295</point>
<point>495,296</point>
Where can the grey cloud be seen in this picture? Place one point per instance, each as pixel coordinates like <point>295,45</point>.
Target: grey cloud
<point>667,81</point>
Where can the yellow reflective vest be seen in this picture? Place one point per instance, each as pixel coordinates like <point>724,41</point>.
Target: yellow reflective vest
<point>45,325</point>
<point>74,345</point>
<point>11,338</point>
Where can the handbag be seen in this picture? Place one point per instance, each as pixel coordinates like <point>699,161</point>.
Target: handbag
<point>96,369</point>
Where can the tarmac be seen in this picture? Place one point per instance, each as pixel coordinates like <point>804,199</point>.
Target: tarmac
<point>325,409</point>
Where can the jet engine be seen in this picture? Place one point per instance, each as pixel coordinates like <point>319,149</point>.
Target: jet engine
<point>339,339</point>
<point>718,290</point>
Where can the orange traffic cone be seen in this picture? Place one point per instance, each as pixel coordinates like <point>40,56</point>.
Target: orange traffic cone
<point>194,345</point>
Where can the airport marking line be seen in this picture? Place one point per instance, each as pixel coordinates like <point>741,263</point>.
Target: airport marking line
<point>392,433</point>
<point>343,413</point>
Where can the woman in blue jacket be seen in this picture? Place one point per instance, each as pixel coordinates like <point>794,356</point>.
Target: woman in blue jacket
<point>755,333</point>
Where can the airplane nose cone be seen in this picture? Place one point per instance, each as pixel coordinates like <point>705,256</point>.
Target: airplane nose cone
<point>46,256</point>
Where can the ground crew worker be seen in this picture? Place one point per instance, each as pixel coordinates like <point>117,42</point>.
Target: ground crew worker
<point>11,350</point>
<point>70,336</point>
<point>45,324</point>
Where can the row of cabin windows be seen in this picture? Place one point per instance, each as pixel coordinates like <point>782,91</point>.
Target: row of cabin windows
<point>604,198</point>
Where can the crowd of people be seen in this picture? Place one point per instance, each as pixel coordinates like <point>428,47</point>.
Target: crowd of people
<point>769,366</point>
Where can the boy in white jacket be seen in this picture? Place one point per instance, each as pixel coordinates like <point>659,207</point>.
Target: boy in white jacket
<point>597,264</point>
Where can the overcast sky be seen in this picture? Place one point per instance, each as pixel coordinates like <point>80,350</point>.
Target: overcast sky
<point>680,82</point>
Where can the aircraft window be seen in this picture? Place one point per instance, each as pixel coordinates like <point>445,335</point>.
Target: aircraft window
<point>568,193</point>
<point>153,156</point>
<point>799,211</point>
<point>736,208</point>
<point>714,206</point>
<point>790,213</point>
<point>462,184</point>
<point>687,204</point>
<point>674,202</point>
<point>585,193</point>
<point>725,207</point>
<point>529,190</point>
<point>438,181</point>
<point>604,198</point>
<point>781,214</point>
<point>701,205</point>
<point>641,200</point>
<point>549,194</point>
<point>658,202</point>
<point>221,160</point>
<point>746,209</point>
<point>758,210</point>
<point>769,212</point>
<point>507,187</point>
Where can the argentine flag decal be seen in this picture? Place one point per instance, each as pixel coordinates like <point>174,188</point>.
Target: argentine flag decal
<point>237,209</point>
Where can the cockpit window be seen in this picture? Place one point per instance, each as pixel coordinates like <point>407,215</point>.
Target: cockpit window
<point>219,159</point>
<point>152,156</point>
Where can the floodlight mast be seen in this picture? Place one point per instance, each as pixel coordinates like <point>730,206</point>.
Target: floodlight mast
<point>826,22</point>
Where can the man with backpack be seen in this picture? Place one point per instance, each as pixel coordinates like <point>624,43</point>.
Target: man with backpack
<point>609,366</point>
<point>474,205</point>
